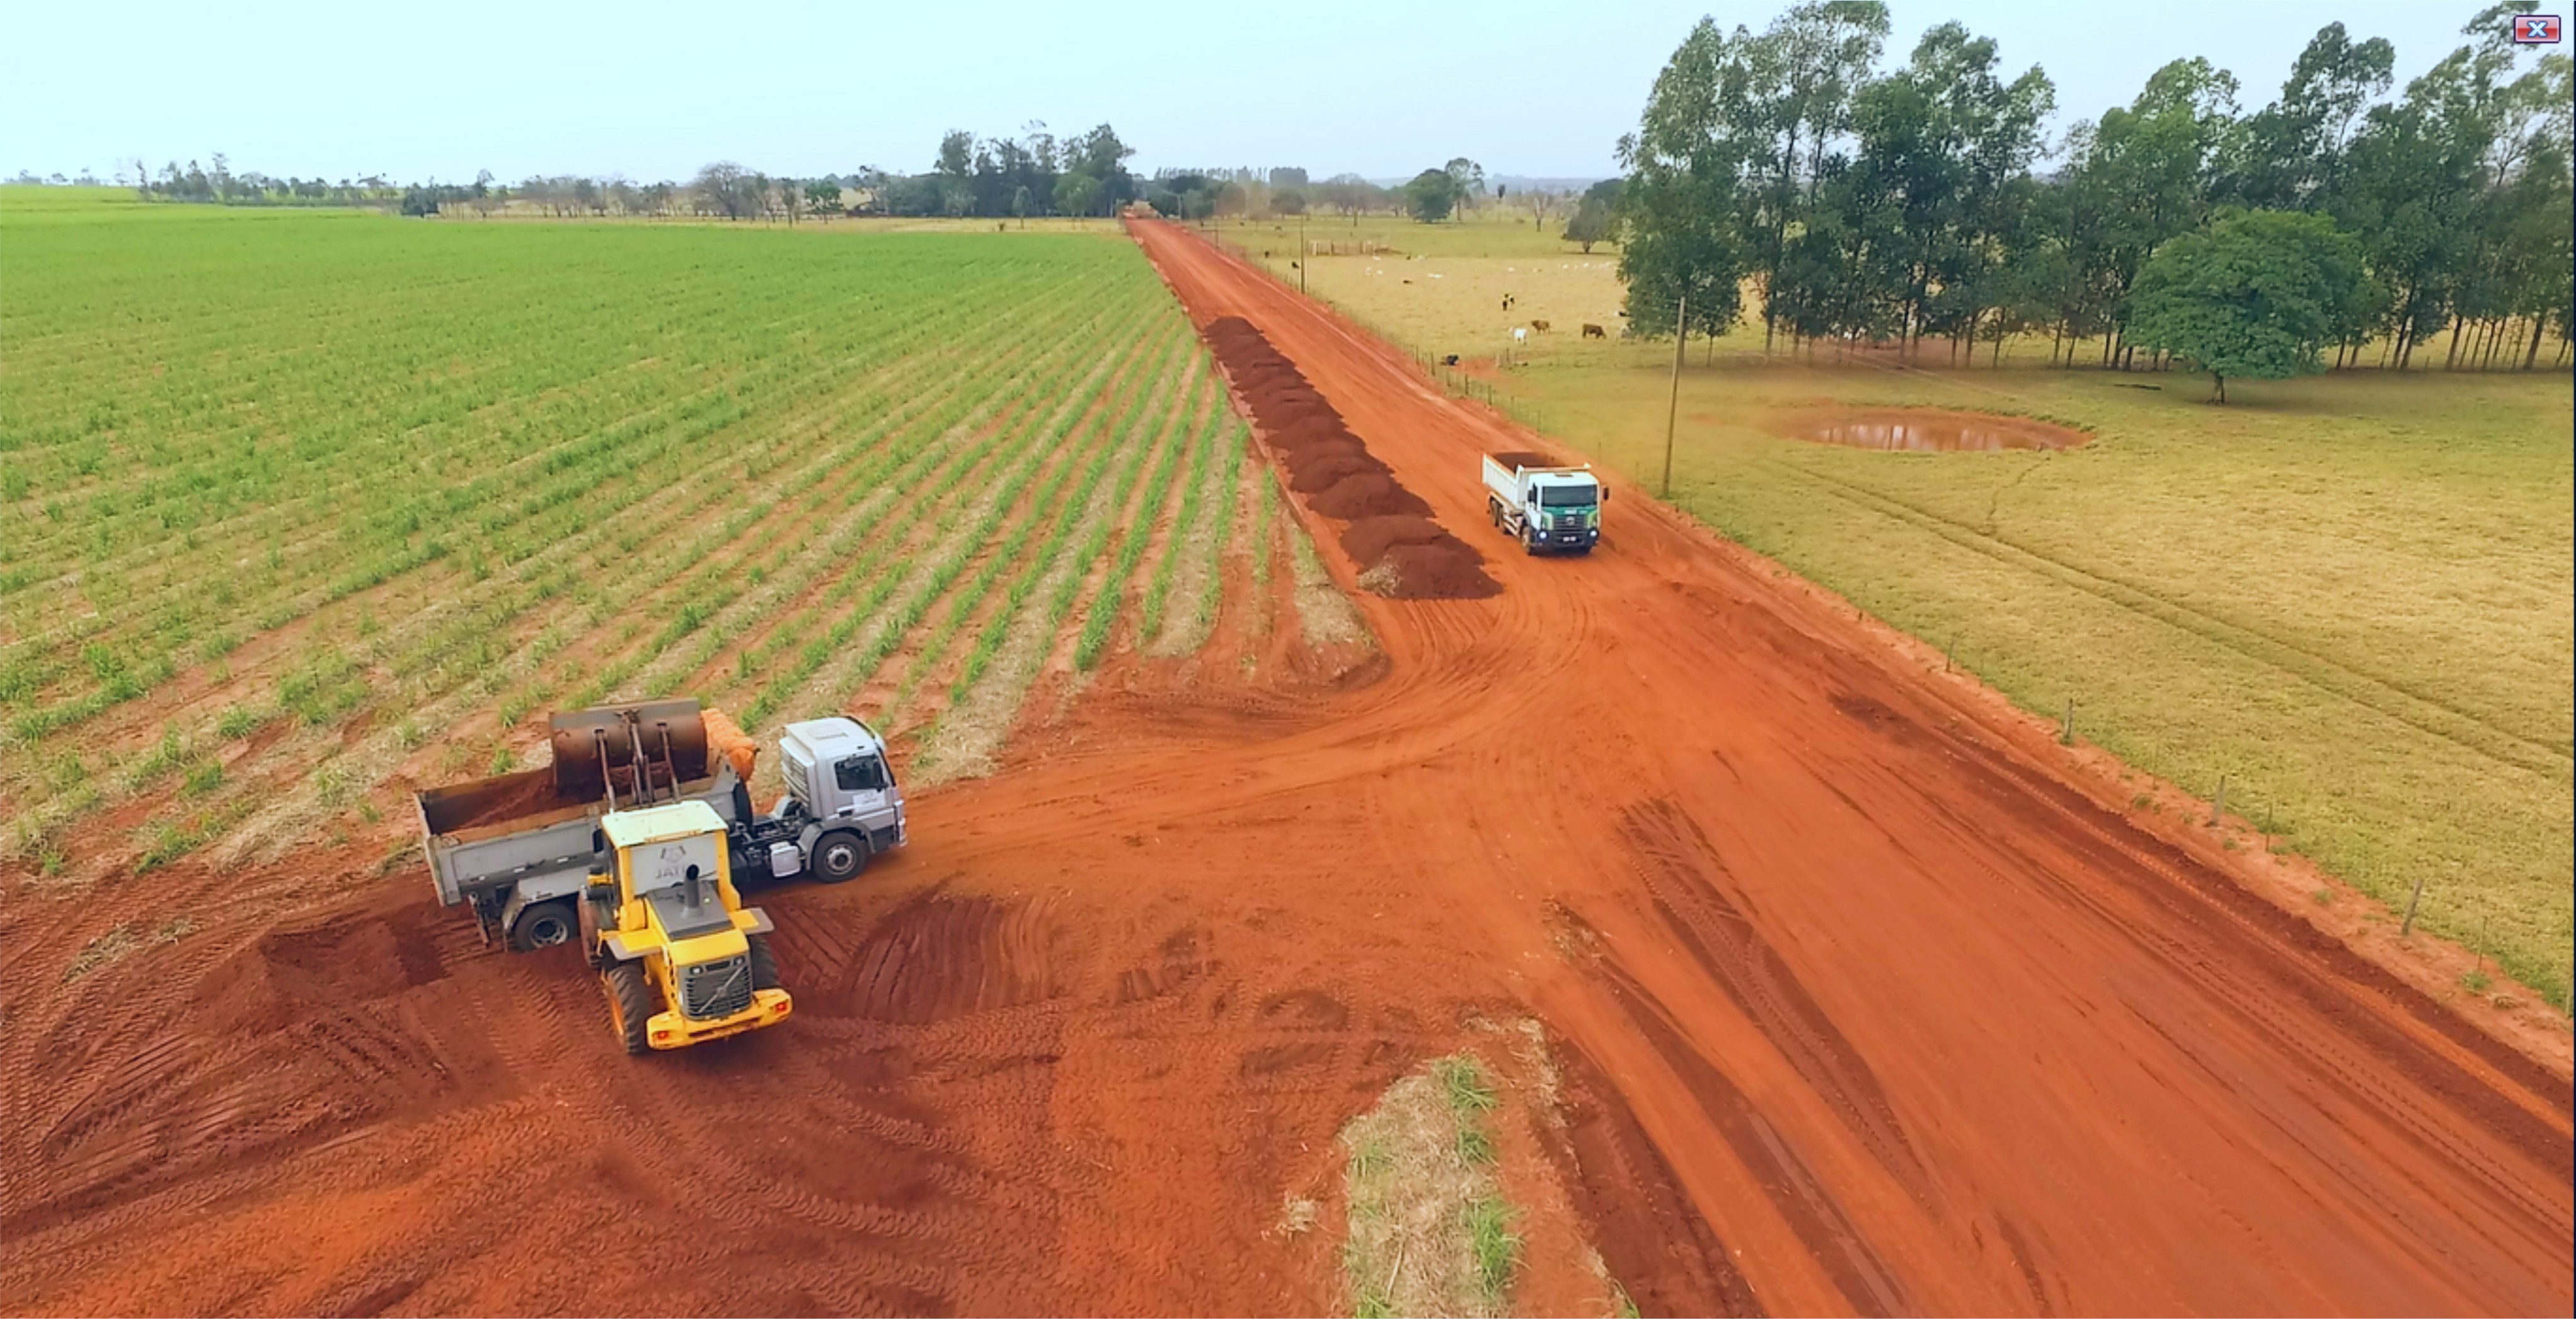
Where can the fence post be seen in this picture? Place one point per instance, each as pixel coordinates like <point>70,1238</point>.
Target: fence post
<point>2407,926</point>
<point>2218,807</point>
<point>2066,732</point>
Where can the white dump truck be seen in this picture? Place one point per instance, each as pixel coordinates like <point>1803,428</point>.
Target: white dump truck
<point>1546,508</point>
<point>520,848</point>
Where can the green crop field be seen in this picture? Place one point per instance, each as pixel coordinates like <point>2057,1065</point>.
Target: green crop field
<point>2352,595</point>
<point>299,510</point>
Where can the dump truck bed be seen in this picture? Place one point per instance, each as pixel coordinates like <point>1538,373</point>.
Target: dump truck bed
<point>487,833</point>
<point>491,833</point>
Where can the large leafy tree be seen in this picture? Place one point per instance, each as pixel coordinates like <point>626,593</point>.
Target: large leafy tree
<point>1589,224</point>
<point>1470,178</point>
<point>2147,171</point>
<point>1679,206</point>
<point>2255,297</point>
<point>1076,193</point>
<point>2290,154</point>
<point>1431,196</point>
<point>1943,146</point>
<point>1805,70</point>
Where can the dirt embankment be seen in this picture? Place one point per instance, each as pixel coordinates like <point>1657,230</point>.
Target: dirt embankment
<point>1387,530</point>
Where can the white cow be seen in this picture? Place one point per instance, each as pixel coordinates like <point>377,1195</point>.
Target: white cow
<point>1520,334</point>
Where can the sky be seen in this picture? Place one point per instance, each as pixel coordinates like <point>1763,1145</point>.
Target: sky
<point>653,90</point>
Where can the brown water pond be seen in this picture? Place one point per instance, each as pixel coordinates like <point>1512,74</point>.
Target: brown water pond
<point>1921,431</point>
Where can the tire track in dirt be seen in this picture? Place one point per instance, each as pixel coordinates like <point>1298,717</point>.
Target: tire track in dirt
<point>1673,860</point>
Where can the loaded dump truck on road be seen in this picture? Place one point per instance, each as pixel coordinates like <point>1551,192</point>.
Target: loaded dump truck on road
<point>1546,508</point>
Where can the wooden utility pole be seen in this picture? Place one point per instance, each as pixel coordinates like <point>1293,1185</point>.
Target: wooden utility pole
<point>1673,410</point>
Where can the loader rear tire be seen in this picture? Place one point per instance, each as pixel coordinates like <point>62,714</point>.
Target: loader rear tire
<point>630,1004</point>
<point>839,856</point>
<point>764,966</point>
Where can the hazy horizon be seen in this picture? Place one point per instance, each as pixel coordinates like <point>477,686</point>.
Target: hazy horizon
<point>653,91</point>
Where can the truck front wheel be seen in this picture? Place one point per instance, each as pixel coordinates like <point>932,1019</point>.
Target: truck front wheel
<point>630,1004</point>
<point>545,924</point>
<point>839,857</point>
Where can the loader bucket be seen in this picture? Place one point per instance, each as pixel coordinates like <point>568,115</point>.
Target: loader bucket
<point>642,750</point>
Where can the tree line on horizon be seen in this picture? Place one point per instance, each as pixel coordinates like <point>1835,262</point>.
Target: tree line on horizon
<point>1035,174</point>
<point>1862,204</point>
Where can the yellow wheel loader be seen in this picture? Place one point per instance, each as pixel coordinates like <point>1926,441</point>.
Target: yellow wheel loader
<point>682,960</point>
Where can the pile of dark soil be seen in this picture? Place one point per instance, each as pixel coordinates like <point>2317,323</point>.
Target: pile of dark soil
<point>1390,535</point>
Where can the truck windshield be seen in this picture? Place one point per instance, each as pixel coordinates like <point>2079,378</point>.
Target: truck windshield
<point>860,774</point>
<point>1567,496</point>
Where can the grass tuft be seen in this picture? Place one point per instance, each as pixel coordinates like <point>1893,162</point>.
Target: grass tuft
<point>1429,1231</point>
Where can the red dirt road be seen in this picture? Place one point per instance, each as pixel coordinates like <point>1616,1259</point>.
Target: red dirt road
<point>1860,1004</point>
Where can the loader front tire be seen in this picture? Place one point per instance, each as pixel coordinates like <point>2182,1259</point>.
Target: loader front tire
<point>839,856</point>
<point>764,966</point>
<point>630,1004</point>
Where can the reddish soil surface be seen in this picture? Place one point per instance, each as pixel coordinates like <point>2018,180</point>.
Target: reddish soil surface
<point>1863,1000</point>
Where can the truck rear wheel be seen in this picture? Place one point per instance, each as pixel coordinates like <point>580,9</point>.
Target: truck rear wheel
<point>630,1004</point>
<point>545,924</point>
<point>764,967</point>
<point>839,856</point>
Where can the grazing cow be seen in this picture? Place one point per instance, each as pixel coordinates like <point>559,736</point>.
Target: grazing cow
<point>1519,335</point>
<point>1592,331</point>
<point>1449,360</point>
<point>1540,326</point>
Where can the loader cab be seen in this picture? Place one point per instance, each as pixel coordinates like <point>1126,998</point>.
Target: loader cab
<point>673,860</point>
<point>837,769</point>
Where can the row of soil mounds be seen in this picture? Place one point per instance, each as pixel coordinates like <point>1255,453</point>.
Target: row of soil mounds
<point>1387,529</point>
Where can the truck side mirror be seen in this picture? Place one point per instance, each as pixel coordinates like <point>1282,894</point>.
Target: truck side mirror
<point>1605,494</point>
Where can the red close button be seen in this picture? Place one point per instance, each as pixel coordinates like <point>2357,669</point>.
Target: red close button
<point>2535,29</point>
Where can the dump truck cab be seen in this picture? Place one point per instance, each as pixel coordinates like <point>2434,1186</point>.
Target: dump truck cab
<point>841,794</point>
<point>680,957</point>
<point>1546,508</point>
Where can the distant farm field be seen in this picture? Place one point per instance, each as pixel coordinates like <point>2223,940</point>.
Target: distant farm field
<point>298,510</point>
<point>2352,595</point>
